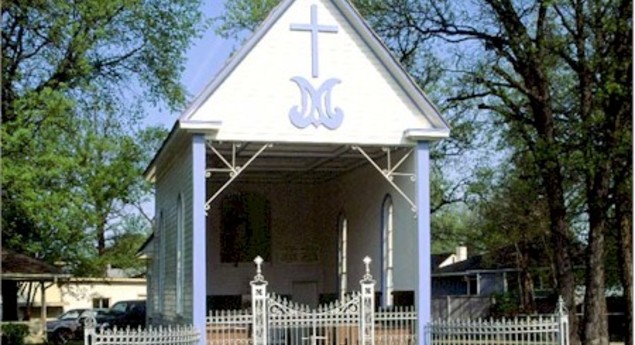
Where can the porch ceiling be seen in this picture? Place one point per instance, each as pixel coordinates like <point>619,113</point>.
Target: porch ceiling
<point>289,162</point>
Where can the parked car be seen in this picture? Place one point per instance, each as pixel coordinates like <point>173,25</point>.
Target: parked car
<point>124,314</point>
<point>70,325</point>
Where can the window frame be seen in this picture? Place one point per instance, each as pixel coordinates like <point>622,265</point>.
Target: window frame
<point>162,243</point>
<point>180,254</point>
<point>342,253</point>
<point>248,201</point>
<point>387,250</point>
<point>100,303</point>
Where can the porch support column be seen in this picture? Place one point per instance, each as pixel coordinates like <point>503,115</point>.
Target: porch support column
<point>42,308</point>
<point>423,293</point>
<point>199,257</point>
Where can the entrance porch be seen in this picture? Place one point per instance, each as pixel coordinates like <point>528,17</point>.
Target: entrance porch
<point>313,212</point>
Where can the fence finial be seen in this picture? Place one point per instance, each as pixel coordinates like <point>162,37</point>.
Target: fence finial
<point>367,275</point>
<point>258,261</point>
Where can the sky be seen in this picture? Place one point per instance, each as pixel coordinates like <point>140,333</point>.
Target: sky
<point>206,56</point>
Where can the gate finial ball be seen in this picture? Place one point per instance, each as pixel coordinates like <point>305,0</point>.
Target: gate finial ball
<point>367,262</point>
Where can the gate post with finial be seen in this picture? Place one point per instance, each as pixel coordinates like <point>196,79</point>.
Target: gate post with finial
<point>562,314</point>
<point>367,310</point>
<point>259,305</point>
<point>90,323</point>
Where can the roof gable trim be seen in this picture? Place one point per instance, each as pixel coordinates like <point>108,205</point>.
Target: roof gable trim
<point>378,48</point>
<point>234,61</point>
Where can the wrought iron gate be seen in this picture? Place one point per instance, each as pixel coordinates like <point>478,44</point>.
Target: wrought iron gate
<point>278,321</point>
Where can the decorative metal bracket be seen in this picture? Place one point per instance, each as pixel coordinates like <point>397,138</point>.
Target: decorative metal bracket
<point>232,168</point>
<point>391,171</point>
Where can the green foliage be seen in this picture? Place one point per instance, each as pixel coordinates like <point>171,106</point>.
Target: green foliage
<point>14,333</point>
<point>243,16</point>
<point>76,78</point>
<point>504,305</point>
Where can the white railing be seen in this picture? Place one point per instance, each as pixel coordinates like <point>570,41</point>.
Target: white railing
<point>229,327</point>
<point>289,323</point>
<point>273,320</point>
<point>277,321</point>
<point>170,335</point>
<point>396,326</point>
<point>526,330</point>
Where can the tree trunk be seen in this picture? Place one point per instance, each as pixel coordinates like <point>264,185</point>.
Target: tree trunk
<point>624,214</point>
<point>101,236</point>
<point>595,331</point>
<point>560,241</point>
<point>526,281</point>
<point>553,183</point>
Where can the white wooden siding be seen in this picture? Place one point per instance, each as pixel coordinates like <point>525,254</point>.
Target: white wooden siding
<point>176,178</point>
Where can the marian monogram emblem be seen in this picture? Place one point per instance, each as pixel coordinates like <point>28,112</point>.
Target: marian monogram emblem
<point>315,106</point>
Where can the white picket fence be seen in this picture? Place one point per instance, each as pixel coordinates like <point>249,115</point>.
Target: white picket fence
<point>229,327</point>
<point>170,335</point>
<point>542,330</point>
<point>273,320</point>
<point>396,326</point>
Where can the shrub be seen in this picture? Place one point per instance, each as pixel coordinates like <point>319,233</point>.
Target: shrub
<point>14,334</point>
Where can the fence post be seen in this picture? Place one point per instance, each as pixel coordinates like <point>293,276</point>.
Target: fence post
<point>367,310</point>
<point>562,315</point>
<point>259,305</point>
<point>89,330</point>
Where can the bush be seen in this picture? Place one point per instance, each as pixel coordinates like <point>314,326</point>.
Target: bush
<point>504,305</point>
<point>14,334</point>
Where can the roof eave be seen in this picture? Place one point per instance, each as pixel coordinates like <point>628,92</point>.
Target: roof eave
<point>180,127</point>
<point>35,276</point>
<point>473,272</point>
<point>426,134</point>
<point>403,78</point>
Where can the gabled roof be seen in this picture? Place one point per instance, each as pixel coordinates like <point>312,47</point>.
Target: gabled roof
<point>476,263</point>
<point>17,266</point>
<point>145,251</point>
<point>373,42</point>
<point>505,259</point>
<point>250,99</point>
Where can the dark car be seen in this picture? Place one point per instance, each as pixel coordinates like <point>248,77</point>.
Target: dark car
<point>70,325</point>
<point>124,314</point>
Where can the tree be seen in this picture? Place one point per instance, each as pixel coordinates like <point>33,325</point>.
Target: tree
<point>75,76</point>
<point>554,79</point>
<point>513,214</point>
<point>549,72</point>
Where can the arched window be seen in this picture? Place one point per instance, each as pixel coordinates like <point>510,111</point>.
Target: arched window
<point>161,243</point>
<point>245,227</point>
<point>180,255</point>
<point>341,253</point>
<point>387,251</point>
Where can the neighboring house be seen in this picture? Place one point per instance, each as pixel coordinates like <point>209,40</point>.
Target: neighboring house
<point>445,259</point>
<point>24,279</point>
<point>469,287</point>
<point>310,148</point>
<point>81,293</point>
<point>474,276</point>
<point>78,293</point>
<point>19,274</point>
<point>465,288</point>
